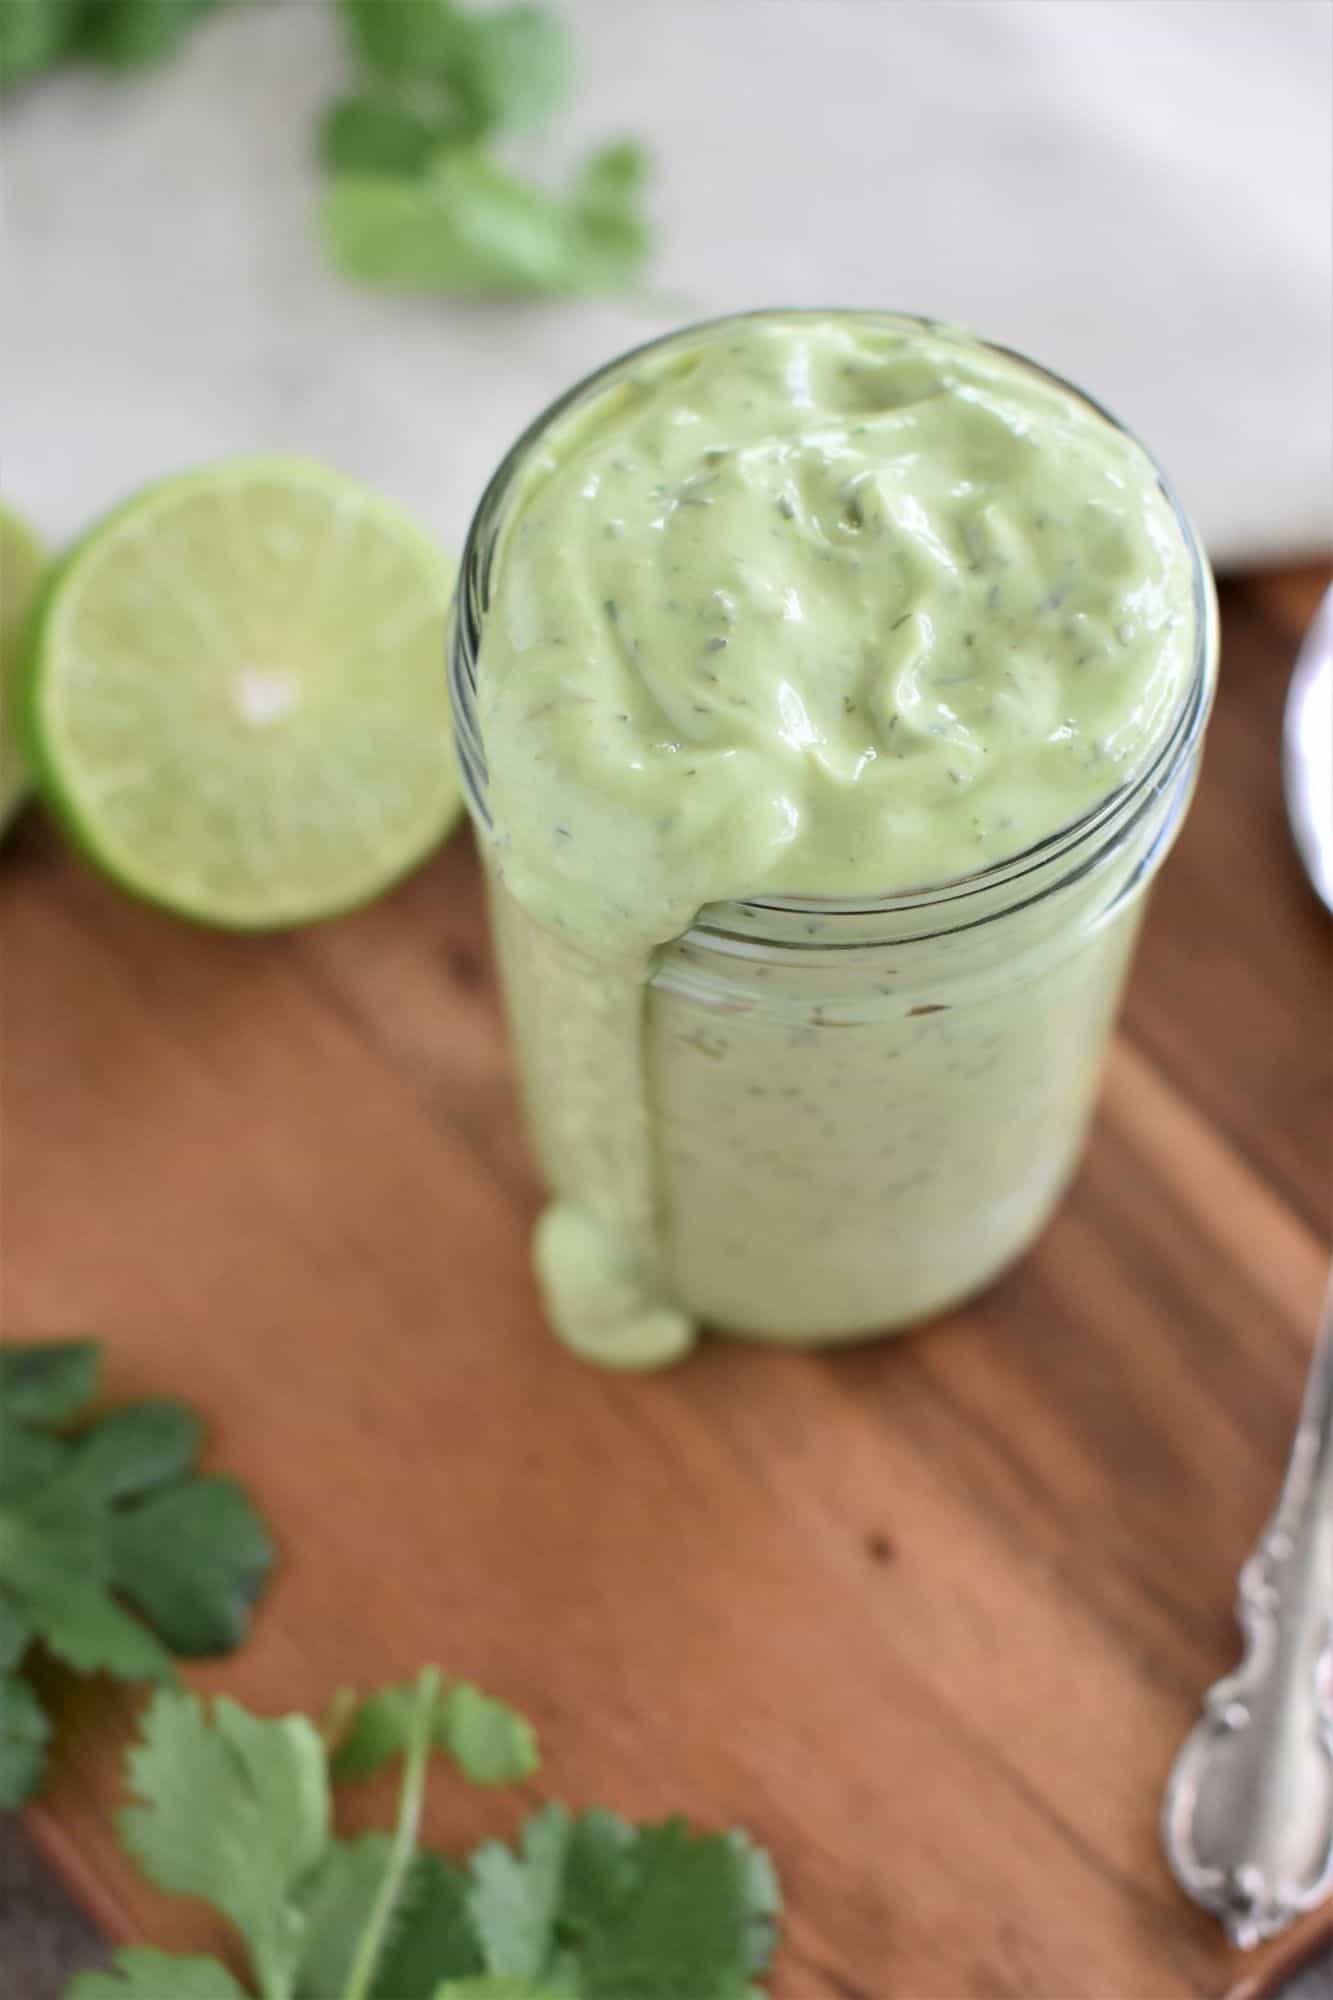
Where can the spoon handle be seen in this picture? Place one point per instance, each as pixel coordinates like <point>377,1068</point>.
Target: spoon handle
<point>1247,1823</point>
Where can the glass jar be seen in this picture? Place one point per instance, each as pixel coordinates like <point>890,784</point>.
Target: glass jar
<point>855,1114</point>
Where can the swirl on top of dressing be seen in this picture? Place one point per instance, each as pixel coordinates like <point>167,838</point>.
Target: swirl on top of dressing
<point>830,606</point>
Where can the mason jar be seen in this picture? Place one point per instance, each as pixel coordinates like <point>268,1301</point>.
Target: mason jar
<point>855,1114</point>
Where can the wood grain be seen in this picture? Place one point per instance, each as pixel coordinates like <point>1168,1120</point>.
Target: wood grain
<point>931,1617</point>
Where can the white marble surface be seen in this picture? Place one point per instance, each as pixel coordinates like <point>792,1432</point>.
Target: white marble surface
<point>1136,191</point>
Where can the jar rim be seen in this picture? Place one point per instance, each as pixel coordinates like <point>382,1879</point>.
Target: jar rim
<point>1167,757</point>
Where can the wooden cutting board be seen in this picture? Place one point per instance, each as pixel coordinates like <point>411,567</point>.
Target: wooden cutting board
<point>930,1617</point>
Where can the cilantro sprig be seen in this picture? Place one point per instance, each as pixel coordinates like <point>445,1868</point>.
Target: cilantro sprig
<point>37,35</point>
<point>417,197</point>
<point>238,1810</point>
<point>100,1523</point>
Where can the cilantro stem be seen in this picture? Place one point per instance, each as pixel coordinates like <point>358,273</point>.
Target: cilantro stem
<point>416,1757</point>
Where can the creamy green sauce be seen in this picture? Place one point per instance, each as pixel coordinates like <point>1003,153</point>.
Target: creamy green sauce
<point>813,606</point>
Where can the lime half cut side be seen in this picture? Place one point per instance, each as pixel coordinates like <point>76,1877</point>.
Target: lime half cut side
<point>238,701</point>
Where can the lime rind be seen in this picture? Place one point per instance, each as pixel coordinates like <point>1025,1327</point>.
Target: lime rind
<point>237,703</point>
<point>23,562</point>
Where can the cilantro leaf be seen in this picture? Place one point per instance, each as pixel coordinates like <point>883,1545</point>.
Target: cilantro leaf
<point>429,1937</point>
<point>513,1899</point>
<point>685,1927</point>
<point>49,1381</point>
<point>337,1901</point>
<point>435,1935</point>
<point>15,1632</point>
<point>528,241</point>
<point>34,35</point>
<point>236,1809</point>
<point>504,69</point>
<point>24,1734</point>
<point>402,1848</point>
<point>238,1813</point>
<point>404,40</point>
<point>601,1868</point>
<point>193,1559</point>
<point>53,1569</point>
<point>157,1975</point>
<point>416,203</point>
<point>601,1910</point>
<point>378,135</point>
<point>112,1509</point>
<point>469,225</point>
<point>608,246</point>
<point>378,1732</point>
<point>613,175</point>
<point>606,208</point>
<point>511,67</point>
<point>129,34</point>
<point>494,1989</point>
<point>89,1631</point>
<point>133,1450</point>
<point>491,1743</point>
<point>28,1459</point>
<point>512,230</point>
<point>763,1896</point>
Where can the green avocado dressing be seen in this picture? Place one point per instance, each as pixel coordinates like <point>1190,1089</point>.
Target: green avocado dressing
<point>813,606</point>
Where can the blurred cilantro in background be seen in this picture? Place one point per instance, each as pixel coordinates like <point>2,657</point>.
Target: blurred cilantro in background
<point>415,196</point>
<point>35,35</point>
<point>417,200</point>
<point>465,74</point>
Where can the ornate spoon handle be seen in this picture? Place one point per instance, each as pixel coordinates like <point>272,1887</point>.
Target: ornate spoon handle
<point>1247,1822</point>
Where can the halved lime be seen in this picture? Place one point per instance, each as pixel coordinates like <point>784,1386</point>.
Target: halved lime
<point>238,701</point>
<point>22,561</point>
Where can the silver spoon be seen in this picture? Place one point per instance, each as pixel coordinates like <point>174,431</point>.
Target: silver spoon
<point>1247,1822</point>
<point>1307,751</point>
